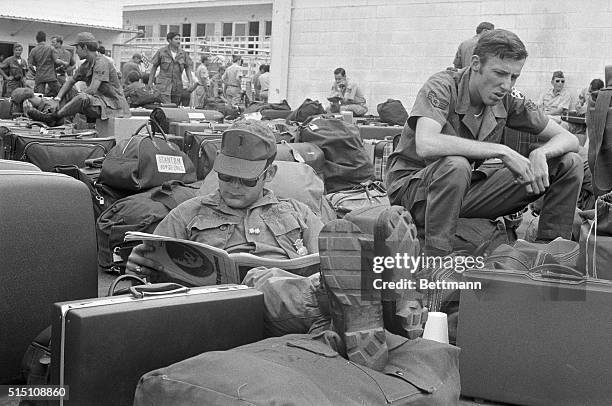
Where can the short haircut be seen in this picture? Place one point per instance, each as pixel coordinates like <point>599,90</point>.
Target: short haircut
<point>170,36</point>
<point>265,68</point>
<point>17,46</point>
<point>145,78</point>
<point>596,84</point>
<point>484,26</point>
<point>102,50</point>
<point>133,76</point>
<point>41,36</point>
<point>58,38</point>
<point>500,43</point>
<point>204,58</point>
<point>340,71</point>
<point>236,58</point>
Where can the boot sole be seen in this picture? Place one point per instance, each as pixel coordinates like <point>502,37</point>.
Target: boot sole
<point>357,310</point>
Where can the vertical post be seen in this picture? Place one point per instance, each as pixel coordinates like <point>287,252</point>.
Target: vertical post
<point>281,38</point>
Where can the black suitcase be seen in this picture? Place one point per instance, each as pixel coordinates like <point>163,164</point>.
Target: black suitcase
<point>101,347</point>
<point>179,129</point>
<point>47,254</point>
<point>46,152</point>
<point>202,148</point>
<point>271,114</point>
<point>536,338</point>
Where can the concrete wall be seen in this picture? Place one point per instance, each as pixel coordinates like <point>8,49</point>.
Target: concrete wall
<point>392,46</point>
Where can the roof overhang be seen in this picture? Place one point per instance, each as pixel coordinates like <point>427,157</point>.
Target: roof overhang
<point>196,4</point>
<point>42,20</point>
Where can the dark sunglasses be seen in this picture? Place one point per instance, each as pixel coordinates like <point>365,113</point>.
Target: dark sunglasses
<point>245,182</point>
<point>559,80</point>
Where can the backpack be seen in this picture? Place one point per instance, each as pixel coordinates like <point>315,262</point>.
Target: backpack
<point>392,112</point>
<point>139,212</point>
<point>307,109</point>
<point>347,162</point>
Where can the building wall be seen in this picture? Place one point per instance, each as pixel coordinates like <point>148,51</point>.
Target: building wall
<point>24,33</point>
<point>199,15</point>
<point>390,47</point>
<point>91,12</point>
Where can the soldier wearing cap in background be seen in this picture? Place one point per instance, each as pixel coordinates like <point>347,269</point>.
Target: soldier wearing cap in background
<point>557,99</point>
<point>103,97</point>
<point>172,60</point>
<point>232,81</point>
<point>131,66</point>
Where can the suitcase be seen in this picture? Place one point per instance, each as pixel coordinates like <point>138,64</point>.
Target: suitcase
<point>140,112</point>
<point>5,108</point>
<point>101,347</point>
<point>47,254</point>
<point>9,165</point>
<point>202,148</point>
<point>379,151</point>
<point>120,128</point>
<point>48,151</point>
<point>535,338</point>
<point>271,114</point>
<point>305,152</point>
<point>379,132</point>
<point>179,129</point>
<point>521,142</point>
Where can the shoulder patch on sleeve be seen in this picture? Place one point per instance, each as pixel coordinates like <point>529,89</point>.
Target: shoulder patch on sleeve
<point>435,101</point>
<point>517,94</point>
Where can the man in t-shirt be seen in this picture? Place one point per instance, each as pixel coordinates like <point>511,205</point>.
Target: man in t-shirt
<point>456,124</point>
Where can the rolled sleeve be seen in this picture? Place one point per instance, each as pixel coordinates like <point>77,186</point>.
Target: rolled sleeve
<point>433,101</point>
<point>101,70</point>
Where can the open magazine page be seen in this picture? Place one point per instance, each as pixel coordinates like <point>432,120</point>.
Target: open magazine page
<point>198,264</point>
<point>304,266</point>
<point>189,262</point>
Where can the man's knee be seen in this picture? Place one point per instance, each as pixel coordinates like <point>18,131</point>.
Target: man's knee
<point>457,167</point>
<point>570,163</point>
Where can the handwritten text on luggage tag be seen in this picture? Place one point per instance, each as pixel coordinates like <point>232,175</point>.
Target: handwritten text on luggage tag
<point>170,164</point>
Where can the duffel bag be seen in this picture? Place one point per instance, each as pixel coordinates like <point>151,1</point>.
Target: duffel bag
<point>202,148</point>
<point>304,152</point>
<point>367,194</point>
<point>139,212</point>
<point>392,112</point>
<point>307,109</point>
<point>347,162</point>
<point>145,161</point>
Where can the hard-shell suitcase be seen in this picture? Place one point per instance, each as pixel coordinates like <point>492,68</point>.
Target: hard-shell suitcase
<point>48,151</point>
<point>379,151</point>
<point>271,114</point>
<point>179,129</point>
<point>202,148</point>
<point>5,108</point>
<point>379,132</point>
<point>101,347</point>
<point>536,338</point>
<point>47,254</point>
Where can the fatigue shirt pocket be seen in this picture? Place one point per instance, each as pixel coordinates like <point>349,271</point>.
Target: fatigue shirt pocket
<point>166,61</point>
<point>212,231</point>
<point>286,230</point>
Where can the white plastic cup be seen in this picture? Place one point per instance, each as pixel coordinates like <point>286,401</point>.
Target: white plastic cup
<point>436,327</point>
<point>347,116</point>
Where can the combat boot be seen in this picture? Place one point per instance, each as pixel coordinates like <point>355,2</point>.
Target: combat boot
<point>356,310</point>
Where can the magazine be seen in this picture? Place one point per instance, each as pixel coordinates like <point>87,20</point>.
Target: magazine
<point>197,264</point>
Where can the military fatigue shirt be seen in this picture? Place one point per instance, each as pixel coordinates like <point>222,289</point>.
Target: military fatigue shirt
<point>463,57</point>
<point>109,96</point>
<point>232,76</point>
<point>169,80</point>
<point>15,69</point>
<point>552,101</point>
<point>66,56</point>
<point>43,58</point>
<point>268,228</point>
<point>445,98</point>
<point>351,94</point>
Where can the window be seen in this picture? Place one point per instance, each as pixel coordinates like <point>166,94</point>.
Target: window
<point>254,29</point>
<point>240,29</point>
<point>268,29</point>
<point>146,29</point>
<point>227,29</point>
<point>163,30</point>
<point>205,30</point>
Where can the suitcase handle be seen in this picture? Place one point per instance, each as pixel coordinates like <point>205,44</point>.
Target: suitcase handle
<point>547,272</point>
<point>113,286</point>
<point>157,289</point>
